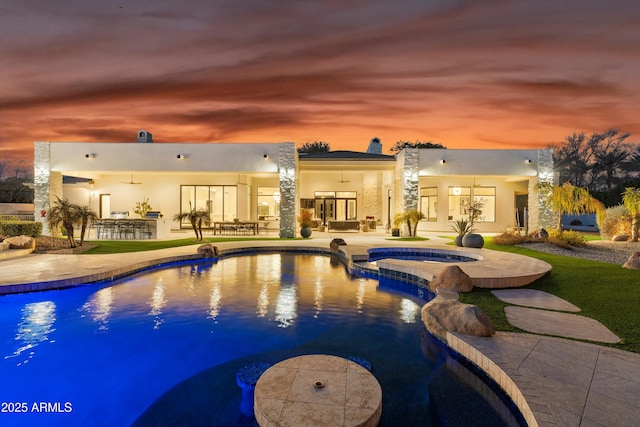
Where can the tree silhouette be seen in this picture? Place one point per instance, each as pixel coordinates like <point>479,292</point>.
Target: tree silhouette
<point>401,145</point>
<point>314,147</point>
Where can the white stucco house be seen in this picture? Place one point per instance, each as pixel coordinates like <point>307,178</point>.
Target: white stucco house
<point>270,182</point>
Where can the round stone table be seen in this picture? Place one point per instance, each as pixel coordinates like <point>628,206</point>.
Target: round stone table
<point>317,390</point>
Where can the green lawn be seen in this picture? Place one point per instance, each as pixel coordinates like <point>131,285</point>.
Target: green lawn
<point>606,292</point>
<point>123,246</point>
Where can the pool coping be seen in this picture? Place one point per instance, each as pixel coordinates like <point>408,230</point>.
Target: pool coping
<point>492,269</point>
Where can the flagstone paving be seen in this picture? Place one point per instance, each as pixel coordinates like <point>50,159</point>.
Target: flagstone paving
<point>534,298</point>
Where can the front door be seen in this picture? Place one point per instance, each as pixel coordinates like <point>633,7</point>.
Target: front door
<point>326,210</point>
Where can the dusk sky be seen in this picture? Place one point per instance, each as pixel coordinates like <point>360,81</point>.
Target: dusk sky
<point>465,74</point>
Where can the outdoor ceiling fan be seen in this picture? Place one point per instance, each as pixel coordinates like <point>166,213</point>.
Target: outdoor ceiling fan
<point>131,182</point>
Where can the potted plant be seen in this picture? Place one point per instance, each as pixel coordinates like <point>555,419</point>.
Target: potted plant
<point>305,222</point>
<point>471,239</point>
<point>462,227</point>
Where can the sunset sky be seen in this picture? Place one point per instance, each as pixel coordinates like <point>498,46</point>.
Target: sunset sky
<point>465,74</point>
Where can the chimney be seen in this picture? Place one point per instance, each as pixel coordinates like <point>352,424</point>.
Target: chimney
<point>375,146</point>
<point>144,136</point>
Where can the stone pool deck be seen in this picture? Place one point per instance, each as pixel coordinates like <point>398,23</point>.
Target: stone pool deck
<point>554,381</point>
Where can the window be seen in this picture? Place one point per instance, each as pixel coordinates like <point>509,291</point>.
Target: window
<point>483,198</point>
<point>459,199</point>
<point>220,201</point>
<point>268,203</point>
<point>429,203</point>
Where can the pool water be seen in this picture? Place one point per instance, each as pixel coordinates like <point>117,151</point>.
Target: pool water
<point>163,347</point>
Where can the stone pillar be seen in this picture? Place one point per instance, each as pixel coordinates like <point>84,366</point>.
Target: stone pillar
<point>287,168</point>
<point>41,194</point>
<point>540,212</point>
<point>409,180</point>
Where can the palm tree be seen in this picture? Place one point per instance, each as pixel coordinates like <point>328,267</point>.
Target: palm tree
<point>631,200</point>
<point>196,217</point>
<point>568,199</point>
<point>63,213</point>
<point>413,217</point>
<point>84,214</point>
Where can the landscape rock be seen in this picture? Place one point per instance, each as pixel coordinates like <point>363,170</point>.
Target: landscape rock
<point>445,313</point>
<point>540,234</point>
<point>620,238</point>
<point>452,277</point>
<point>335,243</point>
<point>21,242</point>
<point>633,262</point>
<point>208,250</point>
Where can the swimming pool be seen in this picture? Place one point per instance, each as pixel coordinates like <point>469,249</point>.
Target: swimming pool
<point>163,347</point>
<point>420,254</point>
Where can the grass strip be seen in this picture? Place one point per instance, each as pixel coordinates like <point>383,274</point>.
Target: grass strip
<point>124,246</point>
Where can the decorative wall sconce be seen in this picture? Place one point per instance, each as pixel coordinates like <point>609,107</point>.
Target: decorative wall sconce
<point>443,161</point>
<point>180,156</point>
<point>89,156</point>
<point>266,156</point>
<point>528,161</point>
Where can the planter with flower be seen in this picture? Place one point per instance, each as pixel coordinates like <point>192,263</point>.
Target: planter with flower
<point>304,219</point>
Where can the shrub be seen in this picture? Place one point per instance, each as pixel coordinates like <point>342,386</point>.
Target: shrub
<point>617,220</point>
<point>20,228</point>
<point>566,239</point>
<point>508,239</point>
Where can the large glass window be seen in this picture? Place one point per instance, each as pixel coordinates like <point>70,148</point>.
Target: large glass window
<point>220,201</point>
<point>268,203</point>
<point>459,199</point>
<point>339,205</point>
<point>482,198</point>
<point>429,203</point>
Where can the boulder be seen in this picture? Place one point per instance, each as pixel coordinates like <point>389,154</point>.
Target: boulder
<point>452,277</point>
<point>445,313</point>
<point>335,243</point>
<point>208,250</point>
<point>540,234</point>
<point>633,262</point>
<point>21,242</point>
<point>620,238</point>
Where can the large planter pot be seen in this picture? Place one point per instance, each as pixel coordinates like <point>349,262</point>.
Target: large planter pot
<point>458,241</point>
<point>305,232</point>
<point>472,240</point>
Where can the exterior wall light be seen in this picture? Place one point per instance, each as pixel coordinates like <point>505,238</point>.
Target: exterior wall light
<point>443,161</point>
<point>89,156</point>
<point>180,156</point>
<point>266,156</point>
<point>528,161</point>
